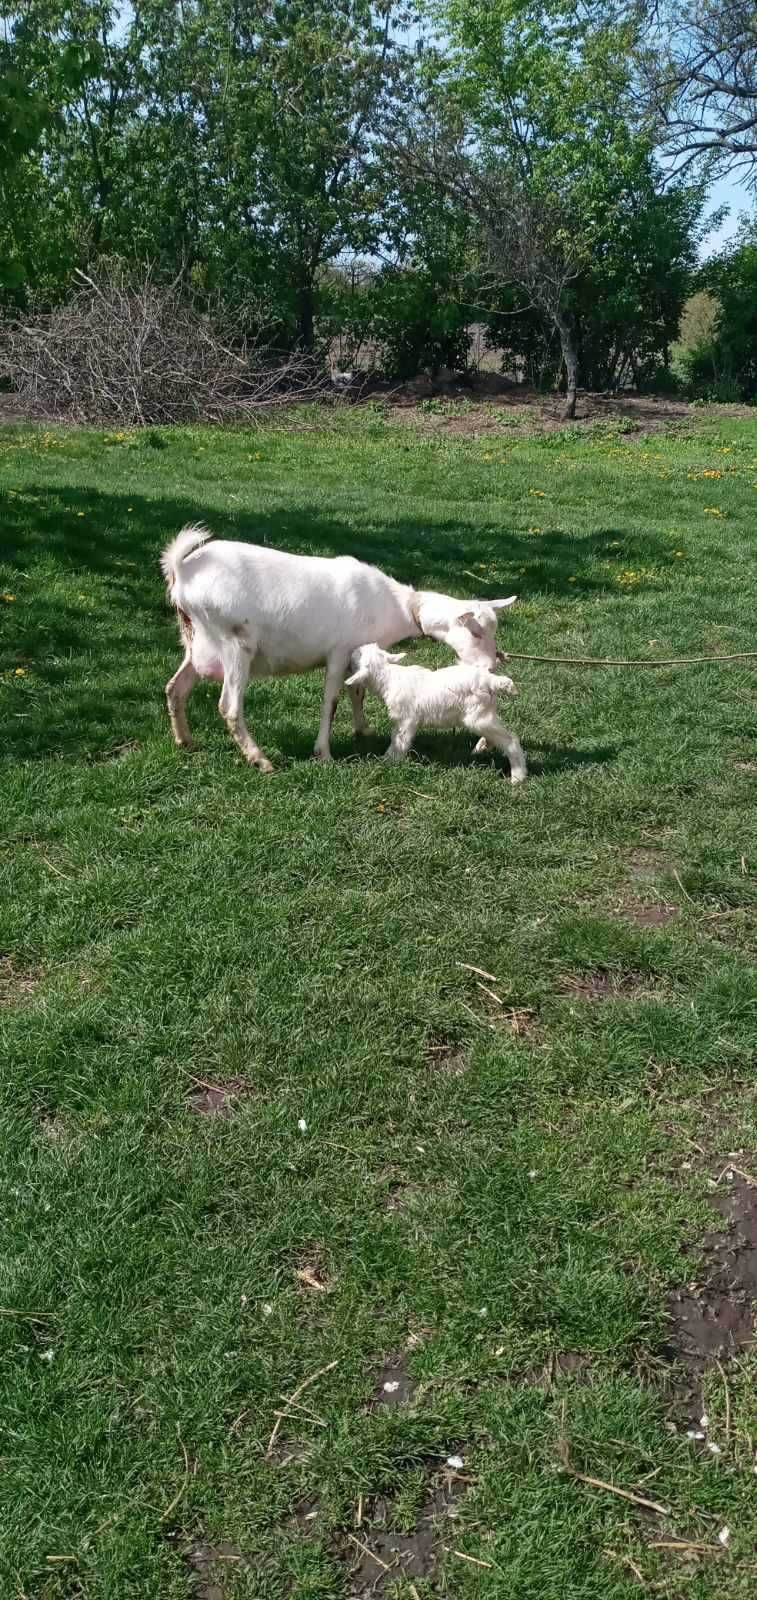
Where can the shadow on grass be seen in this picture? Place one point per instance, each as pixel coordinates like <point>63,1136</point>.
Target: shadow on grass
<point>446,750</point>
<point>88,661</point>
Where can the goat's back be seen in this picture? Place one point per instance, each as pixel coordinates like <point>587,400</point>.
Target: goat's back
<point>294,610</point>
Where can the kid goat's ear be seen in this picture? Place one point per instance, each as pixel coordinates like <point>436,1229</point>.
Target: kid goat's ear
<point>357,677</point>
<point>398,656</point>
<point>468,620</point>
<point>500,605</point>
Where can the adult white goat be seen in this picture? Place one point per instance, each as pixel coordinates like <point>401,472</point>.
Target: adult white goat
<point>454,697</point>
<point>247,610</point>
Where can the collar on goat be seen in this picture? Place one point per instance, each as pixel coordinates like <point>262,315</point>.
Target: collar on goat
<point>414,612</point>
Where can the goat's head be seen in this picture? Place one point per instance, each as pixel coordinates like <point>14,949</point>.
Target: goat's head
<point>368,660</point>
<point>469,627</point>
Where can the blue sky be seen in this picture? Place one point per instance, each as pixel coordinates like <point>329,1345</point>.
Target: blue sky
<point>728,191</point>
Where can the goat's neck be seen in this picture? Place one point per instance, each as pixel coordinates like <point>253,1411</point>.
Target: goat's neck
<point>411,599</point>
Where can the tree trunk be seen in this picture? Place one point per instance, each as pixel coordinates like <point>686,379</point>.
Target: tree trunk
<point>569,345</point>
<point>305,314</point>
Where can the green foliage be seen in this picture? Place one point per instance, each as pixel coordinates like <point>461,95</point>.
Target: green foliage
<point>416,325</point>
<point>593,243</point>
<point>725,359</point>
<point>257,151</point>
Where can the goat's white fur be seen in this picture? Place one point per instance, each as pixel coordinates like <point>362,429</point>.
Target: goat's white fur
<point>245,610</point>
<point>453,697</point>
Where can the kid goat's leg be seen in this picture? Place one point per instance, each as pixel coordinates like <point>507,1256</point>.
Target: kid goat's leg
<point>403,734</point>
<point>493,732</point>
<point>178,690</point>
<point>356,693</point>
<point>236,671</point>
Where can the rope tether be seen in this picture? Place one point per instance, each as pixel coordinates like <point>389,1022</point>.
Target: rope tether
<point>600,661</point>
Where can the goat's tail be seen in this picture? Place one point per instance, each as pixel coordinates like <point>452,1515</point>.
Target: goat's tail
<point>185,542</point>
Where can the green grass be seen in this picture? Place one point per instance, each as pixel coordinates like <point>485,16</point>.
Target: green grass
<point>166,918</point>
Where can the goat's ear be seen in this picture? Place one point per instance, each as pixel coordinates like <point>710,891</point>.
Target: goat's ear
<point>398,656</point>
<point>468,620</point>
<point>357,677</point>
<point>501,605</point>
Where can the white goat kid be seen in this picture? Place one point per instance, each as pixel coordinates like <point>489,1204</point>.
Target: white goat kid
<point>452,697</point>
<point>245,610</point>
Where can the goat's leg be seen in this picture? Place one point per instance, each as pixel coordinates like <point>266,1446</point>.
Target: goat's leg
<point>178,690</point>
<point>478,749</point>
<point>336,672</point>
<point>495,733</point>
<point>236,671</point>
<point>403,735</point>
<point>356,693</point>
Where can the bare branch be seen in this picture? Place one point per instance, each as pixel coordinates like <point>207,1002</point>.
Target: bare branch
<point>126,349</point>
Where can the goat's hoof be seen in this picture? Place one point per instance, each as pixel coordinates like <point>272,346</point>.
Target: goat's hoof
<point>323,756</point>
<point>185,744</point>
<point>264,765</point>
<point>516,778</point>
<point>478,750</point>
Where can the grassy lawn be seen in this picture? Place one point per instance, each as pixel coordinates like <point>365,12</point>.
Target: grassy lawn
<point>259,1116</point>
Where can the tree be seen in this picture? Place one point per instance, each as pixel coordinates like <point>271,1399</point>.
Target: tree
<point>699,70</point>
<point>535,137</point>
<point>236,138</point>
<point>30,102</point>
<point>731,348</point>
<point>293,136</point>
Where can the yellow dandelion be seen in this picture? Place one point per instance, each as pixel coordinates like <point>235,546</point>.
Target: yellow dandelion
<point>80,513</point>
<point>488,458</point>
<point>572,580</point>
<point>129,508</point>
<point>20,672</point>
<point>539,493</point>
<point>713,511</point>
<point>536,530</point>
<point>679,552</point>
<point>9,597</point>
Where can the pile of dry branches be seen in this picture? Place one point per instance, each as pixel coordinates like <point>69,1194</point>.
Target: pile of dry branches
<point>127,349</point>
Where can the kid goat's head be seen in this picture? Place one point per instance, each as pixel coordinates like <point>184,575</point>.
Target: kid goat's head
<point>369,659</point>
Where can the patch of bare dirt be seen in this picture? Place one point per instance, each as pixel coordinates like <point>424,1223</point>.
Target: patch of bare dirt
<point>289,1452</point>
<point>304,1514</point>
<point>400,1196</point>
<point>312,1275</point>
<point>745,766</point>
<point>16,985</point>
<point>395,1384</point>
<point>59,1135</point>
<point>520,1020</point>
<point>209,1565</point>
<point>490,403</point>
<point>598,986</point>
<point>560,1364</point>
<point>116,752</point>
<point>712,1316</point>
<point>379,1555</point>
<point>446,1055</point>
<point>218,1099</point>
<point>644,914</point>
<point>648,862</point>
